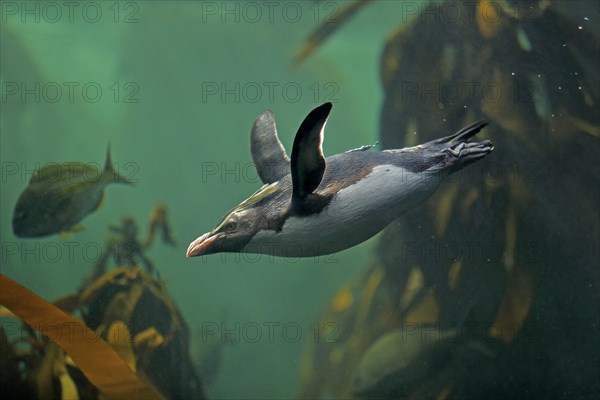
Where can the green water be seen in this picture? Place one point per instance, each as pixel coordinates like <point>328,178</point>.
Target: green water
<point>157,65</point>
<point>174,88</point>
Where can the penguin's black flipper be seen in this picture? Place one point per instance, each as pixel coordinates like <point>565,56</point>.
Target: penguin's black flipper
<point>308,162</point>
<point>268,153</point>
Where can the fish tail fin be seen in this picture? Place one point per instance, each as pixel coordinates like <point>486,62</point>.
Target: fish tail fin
<point>111,173</point>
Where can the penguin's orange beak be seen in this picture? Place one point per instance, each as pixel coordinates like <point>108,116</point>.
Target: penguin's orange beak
<point>203,245</point>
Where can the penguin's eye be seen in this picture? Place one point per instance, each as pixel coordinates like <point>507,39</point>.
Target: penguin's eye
<point>231,226</point>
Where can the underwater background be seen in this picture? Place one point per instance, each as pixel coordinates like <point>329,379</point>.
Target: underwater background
<point>174,88</point>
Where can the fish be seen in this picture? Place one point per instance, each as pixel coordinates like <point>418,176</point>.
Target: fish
<point>59,196</point>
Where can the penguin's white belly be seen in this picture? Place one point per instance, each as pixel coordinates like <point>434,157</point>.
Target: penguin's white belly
<point>355,214</point>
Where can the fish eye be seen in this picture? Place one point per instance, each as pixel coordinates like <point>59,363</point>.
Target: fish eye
<point>231,226</point>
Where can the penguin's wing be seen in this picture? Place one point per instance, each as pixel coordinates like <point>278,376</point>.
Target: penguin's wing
<point>268,153</point>
<point>308,162</point>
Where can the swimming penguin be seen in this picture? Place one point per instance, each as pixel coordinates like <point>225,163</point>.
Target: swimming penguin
<point>312,205</point>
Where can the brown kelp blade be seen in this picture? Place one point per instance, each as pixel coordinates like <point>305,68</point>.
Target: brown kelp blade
<point>326,29</point>
<point>97,359</point>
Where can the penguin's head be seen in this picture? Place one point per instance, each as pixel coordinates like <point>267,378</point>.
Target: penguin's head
<point>239,225</point>
<point>231,235</point>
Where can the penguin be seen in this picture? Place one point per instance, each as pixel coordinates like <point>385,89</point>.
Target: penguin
<point>310,205</point>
